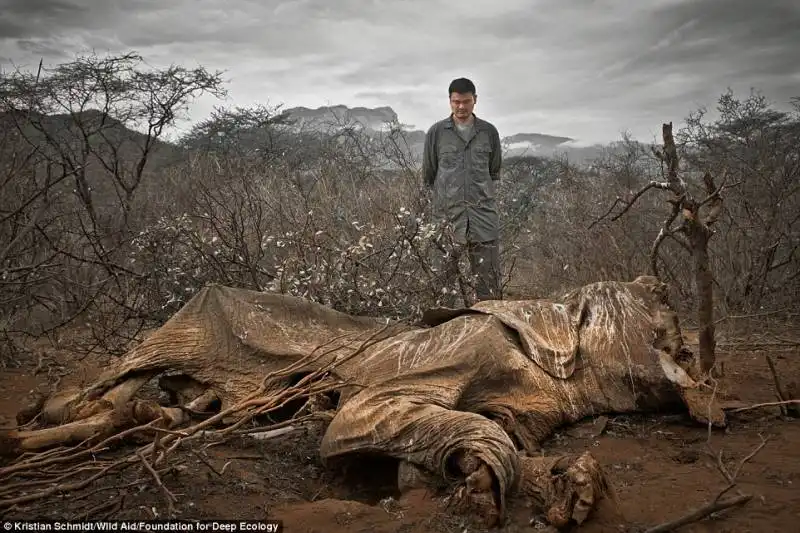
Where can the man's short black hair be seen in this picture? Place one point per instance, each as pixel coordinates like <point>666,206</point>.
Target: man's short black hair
<point>461,86</point>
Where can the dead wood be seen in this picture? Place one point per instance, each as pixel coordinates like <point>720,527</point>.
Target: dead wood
<point>116,467</point>
<point>40,460</point>
<point>765,404</point>
<point>168,496</point>
<point>695,218</point>
<point>787,406</point>
<point>712,507</point>
<point>718,503</point>
<point>108,509</point>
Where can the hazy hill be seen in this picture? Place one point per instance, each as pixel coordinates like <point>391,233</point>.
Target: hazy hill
<point>71,132</point>
<point>105,152</point>
<point>321,117</point>
<point>376,120</point>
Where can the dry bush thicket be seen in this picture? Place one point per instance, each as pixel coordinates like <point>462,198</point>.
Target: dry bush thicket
<point>107,226</point>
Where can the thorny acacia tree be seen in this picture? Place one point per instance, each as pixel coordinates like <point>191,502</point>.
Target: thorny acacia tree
<point>78,140</point>
<point>689,224</point>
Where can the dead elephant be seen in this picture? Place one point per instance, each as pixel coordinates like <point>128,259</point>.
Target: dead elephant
<point>460,398</point>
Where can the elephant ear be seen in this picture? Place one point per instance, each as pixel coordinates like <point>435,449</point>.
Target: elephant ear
<point>548,332</point>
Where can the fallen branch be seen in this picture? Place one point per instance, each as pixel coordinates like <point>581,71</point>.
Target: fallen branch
<point>122,464</point>
<point>765,404</point>
<point>717,504</point>
<point>732,477</point>
<point>788,408</point>
<point>64,456</point>
<point>712,507</point>
<point>110,508</point>
<point>27,485</point>
<point>273,433</point>
<point>206,462</point>
<point>171,499</point>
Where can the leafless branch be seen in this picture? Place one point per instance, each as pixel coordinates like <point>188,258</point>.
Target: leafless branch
<point>700,513</point>
<point>718,503</point>
<point>665,231</point>
<point>765,404</point>
<point>627,204</point>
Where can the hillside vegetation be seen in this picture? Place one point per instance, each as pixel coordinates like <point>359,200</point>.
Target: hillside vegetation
<point>105,225</point>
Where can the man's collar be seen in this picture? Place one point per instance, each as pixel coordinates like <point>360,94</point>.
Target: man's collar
<point>450,123</point>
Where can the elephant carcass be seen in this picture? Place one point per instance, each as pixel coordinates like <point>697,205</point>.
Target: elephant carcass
<point>461,397</point>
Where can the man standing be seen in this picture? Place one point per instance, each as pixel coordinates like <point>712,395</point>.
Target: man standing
<point>461,163</point>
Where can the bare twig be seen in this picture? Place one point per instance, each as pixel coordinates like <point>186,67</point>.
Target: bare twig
<point>779,392</point>
<point>765,404</point>
<point>206,462</point>
<point>110,507</point>
<point>698,514</point>
<point>171,499</point>
<point>731,477</point>
<point>67,487</point>
<point>718,503</point>
<point>35,462</point>
<point>752,315</point>
<point>629,203</point>
<point>663,234</point>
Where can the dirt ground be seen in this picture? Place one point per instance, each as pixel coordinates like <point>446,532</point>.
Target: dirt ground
<point>660,467</point>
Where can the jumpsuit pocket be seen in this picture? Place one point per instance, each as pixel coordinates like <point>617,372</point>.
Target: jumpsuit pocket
<point>449,158</point>
<point>480,157</point>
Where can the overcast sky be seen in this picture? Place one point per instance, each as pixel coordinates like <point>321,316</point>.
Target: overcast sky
<point>581,68</point>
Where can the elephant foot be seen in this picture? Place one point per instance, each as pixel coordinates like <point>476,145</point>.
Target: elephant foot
<point>564,490</point>
<point>477,494</point>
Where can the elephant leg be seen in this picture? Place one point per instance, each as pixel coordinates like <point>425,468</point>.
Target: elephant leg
<point>563,489</point>
<point>411,476</point>
<point>415,428</point>
<point>79,419</point>
<point>527,419</point>
<point>97,421</point>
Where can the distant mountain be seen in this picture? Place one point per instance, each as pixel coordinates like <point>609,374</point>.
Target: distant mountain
<point>537,138</point>
<point>377,120</point>
<point>106,151</point>
<point>374,119</point>
<point>319,121</point>
<point>72,133</point>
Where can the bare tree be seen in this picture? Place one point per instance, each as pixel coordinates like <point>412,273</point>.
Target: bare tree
<point>79,144</point>
<point>689,224</point>
<point>758,242</point>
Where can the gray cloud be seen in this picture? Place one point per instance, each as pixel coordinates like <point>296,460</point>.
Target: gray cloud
<point>584,69</point>
<point>38,17</point>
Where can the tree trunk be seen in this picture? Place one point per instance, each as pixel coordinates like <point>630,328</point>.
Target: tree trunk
<point>704,282</point>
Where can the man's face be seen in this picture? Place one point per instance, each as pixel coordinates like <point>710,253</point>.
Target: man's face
<point>462,105</point>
